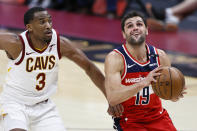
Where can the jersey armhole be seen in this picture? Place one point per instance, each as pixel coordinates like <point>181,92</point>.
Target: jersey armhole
<point>58,46</point>
<point>23,51</point>
<point>158,60</point>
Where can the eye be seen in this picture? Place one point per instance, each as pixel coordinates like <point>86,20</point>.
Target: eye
<point>129,26</point>
<point>42,22</point>
<point>50,21</point>
<point>139,24</point>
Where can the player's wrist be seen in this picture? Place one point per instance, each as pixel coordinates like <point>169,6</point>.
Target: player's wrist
<point>143,83</point>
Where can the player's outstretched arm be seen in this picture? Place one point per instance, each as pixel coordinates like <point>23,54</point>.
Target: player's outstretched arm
<point>76,55</point>
<point>11,43</point>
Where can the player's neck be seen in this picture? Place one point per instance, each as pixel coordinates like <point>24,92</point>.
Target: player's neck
<point>37,43</point>
<point>139,52</point>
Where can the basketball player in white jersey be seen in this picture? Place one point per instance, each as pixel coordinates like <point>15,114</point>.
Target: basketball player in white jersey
<point>32,74</point>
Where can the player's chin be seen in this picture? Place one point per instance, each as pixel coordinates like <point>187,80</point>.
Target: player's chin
<point>47,39</point>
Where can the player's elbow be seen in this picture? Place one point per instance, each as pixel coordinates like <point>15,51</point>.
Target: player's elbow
<point>112,93</point>
<point>112,103</point>
<point>112,100</point>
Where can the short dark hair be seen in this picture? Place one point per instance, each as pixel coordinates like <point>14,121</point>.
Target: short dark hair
<point>29,15</point>
<point>132,14</point>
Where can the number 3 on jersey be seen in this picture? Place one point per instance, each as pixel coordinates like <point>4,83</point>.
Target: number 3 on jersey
<point>144,100</point>
<point>41,80</point>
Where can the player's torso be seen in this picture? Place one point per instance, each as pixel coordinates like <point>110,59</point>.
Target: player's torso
<point>33,75</point>
<point>145,104</point>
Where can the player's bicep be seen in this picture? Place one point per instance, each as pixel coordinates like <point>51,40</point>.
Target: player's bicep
<point>6,40</point>
<point>112,82</point>
<point>164,59</point>
<point>11,43</point>
<point>113,66</point>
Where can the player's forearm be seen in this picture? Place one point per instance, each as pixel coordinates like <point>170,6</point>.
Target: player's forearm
<point>97,77</point>
<point>117,96</point>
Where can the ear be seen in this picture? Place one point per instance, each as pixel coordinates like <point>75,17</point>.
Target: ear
<point>147,31</point>
<point>29,27</point>
<point>123,34</point>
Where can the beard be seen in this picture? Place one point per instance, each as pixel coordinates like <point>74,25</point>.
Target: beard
<point>139,41</point>
<point>48,40</point>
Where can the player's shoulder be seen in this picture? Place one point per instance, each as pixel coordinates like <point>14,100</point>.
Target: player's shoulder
<point>115,60</point>
<point>114,57</point>
<point>64,41</point>
<point>161,53</point>
<point>163,57</point>
<point>12,40</point>
<point>114,54</point>
<point>10,37</point>
<point>62,38</point>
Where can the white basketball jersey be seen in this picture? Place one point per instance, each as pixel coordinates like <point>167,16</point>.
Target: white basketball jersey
<point>33,76</point>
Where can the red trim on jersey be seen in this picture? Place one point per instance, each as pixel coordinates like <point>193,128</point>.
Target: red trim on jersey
<point>58,45</point>
<point>148,50</point>
<point>136,61</point>
<point>23,51</point>
<point>31,45</point>
<point>124,63</point>
<point>157,57</point>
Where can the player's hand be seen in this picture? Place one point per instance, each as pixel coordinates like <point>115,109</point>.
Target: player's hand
<point>151,76</point>
<point>115,111</point>
<point>181,95</point>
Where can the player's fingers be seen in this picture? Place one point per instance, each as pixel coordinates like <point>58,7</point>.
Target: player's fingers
<point>117,111</point>
<point>110,111</point>
<point>122,108</point>
<point>184,88</point>
<point>156,74</point>
<point>181,95</point>
<point>158,68</point>
<point>153,80</point>
<point>113,111</point>
<point>175,100</point>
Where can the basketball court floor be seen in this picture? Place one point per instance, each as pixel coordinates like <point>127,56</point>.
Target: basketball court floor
<point>81,104</point>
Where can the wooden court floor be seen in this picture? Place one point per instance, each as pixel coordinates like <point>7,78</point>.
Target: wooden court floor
<point>83,107</point>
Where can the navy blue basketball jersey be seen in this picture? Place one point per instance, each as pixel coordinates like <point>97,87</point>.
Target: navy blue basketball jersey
<point>145,105</point>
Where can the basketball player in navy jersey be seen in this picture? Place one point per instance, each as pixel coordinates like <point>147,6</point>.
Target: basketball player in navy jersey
<point>129,70</point>
<point>32,74</point>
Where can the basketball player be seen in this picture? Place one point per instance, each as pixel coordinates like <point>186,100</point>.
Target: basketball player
<point>129,70</point>
<point>32,74</point>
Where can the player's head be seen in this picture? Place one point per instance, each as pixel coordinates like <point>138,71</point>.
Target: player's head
<point>134,28</point>
<point>38,22</point>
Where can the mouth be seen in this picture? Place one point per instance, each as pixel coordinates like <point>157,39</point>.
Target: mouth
<point>48,33</point>
<point>136,35</point>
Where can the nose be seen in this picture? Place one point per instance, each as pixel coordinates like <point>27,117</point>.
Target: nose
<point>48,25</point>
<point>135,27</point>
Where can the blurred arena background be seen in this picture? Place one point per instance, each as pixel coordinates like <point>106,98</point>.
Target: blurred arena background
<point>81,105</point>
